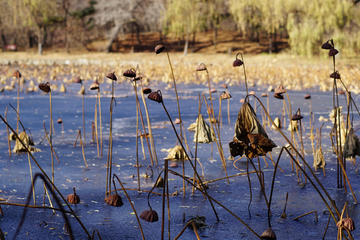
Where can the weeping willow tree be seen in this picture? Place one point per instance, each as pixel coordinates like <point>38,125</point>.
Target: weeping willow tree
<point>256,16</point>
<point>184,17</point>
<point>216,11</point>
<point>307,22</point>
<point>310,22</point>
<point>35,14</point>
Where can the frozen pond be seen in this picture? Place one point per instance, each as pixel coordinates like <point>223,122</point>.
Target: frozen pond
<point>120,223</point>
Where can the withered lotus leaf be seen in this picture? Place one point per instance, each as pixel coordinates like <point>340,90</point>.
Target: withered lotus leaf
<point>16,74</point>
<point>225,95</point>
<point>352,145</point>
<point>269,234</point>
<point>114,200</point>
<point>149,216</point>
<point>45,87</point>
<point>199,222</point>
<point>319,160</point>
<point>160,183</point>
<point>204,132</point>
<point>349,224</point>
<point>280,89</point>
<point>201,67</point>
<point>250,138</point>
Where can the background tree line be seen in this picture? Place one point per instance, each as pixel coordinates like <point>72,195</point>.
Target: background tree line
<point>73,23</point>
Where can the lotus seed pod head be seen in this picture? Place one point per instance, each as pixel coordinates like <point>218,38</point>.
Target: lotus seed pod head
<point>307,96</point>
<point>155,96</point>
<point>59,121</point>
<point>341,92</point>
<point>224,86</point>
<point>16,74</point>
<point>210,111</point>
<point>45,87</point>
<point>77,80</point>
<point>149,216</point>
<point>129,73</point>
<point>278,96</point>
<point>201,67</point>
<point>335,75</point>
<point>111,76</point>
<point>213,90</point>
<point>73,198</point>
<point>296,117</point>
<point>237,63</point>
<point>94,85</point>
<point>242,100</point>
<point>252,93</point>
<point>327,46</point>
<point>265,95</point>
<point>269,234</point>
<point>349,224</point>
<point>159,49</point>
<point>177,121</point>
<point>333,52</point>
<point>114,200</point>
<point>225,95</point>
<point>146,90</point>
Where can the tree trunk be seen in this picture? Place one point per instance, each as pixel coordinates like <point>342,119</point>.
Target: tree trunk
<point>270,44</point>
<point>3,38</point>
<point>160,36</point>
<point>113,35</point>
<point>186,44</point>
<point>275,47</point>
<point>215,37</point>
<point>40,42</point>
<point>193,43</point>
<point>137,33</point>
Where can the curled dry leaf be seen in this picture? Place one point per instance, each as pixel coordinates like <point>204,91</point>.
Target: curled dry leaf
<point>199,222</point>
<point>176,153</point>
<point>352,145</point>
<point>205,133</point>
<point>250,138</point>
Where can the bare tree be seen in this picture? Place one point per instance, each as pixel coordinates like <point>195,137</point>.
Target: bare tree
<point>121,13</point>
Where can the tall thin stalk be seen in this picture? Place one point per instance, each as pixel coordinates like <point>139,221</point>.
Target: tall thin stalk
<point>149,127</point>
<point>8,135</point>
<point>109,158</point>
<point>101,137</point>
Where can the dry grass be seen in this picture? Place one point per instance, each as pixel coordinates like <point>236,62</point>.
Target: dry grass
<point>294,72</point>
